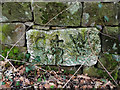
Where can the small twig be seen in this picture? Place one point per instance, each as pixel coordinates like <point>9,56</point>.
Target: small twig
<point>58,14</point>
<point>99,60</point>
<point>6,60</point>
<point>73,74</point>
<point>2,56</point>
<point>113,70</point>
<point>107,35</point>
<point>105,28</point>
<point>16,43</point>
<point>12,48</point>
<point>27,63</point>
<point>18,61</point>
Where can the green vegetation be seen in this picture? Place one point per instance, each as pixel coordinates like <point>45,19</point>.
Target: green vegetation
<point>15,54</point>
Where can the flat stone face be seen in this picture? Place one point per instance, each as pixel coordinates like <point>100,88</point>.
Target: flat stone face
<point>110,40</point>
<point>64,46</point>
<point>69,13</point>
<point>16,11</point>
<point>100,14</point>
<point>11,33</point>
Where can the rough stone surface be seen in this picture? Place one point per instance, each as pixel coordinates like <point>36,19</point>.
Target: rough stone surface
<point>11,33</point>
<point>45,11</point>
<point>110,40</point>
<point>100,14</point>
<point>91,71</point>
<point>108,60</point>
<point>65,46</point>
<point>17,11</point>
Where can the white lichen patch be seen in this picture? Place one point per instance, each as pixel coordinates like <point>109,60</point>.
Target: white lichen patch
<point>74,7</point>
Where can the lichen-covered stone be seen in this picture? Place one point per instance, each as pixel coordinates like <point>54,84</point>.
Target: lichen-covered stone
<point>100,14</point>
<point>64,46</point>
<point>69,13</point>
<point>110,40</point>
<point>16,11</point>
<point>11,33</point>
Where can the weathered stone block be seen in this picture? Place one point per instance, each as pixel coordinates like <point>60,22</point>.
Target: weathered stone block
<point>95,72</point>
<point>110,41</point>
<point>16,11</point>
<point>69,13</point>
<point>64,46</point>
<point>108,61</point>
<point>92,71</point>
<point>100,14</point>
<point>11,33</point>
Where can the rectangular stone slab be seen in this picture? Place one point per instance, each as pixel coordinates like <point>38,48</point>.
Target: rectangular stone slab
<point>61,13</point>
<point>10,33</point>
<point>16,11</point>
<point>100,14</point>
<point>64,46</point>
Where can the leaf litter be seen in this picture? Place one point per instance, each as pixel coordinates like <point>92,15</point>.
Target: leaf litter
<point>29,76</point>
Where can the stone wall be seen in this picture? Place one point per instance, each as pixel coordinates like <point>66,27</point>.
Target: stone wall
<point>64,32</point>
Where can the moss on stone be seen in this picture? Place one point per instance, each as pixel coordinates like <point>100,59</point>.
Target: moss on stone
<point>64,46</point>
<point>92,71</point>
<point>98,16</point>
<point>46,11</point>
<point>95,72</point>
<point>16,11</point>
<point>108,62</point>
<point>10,33</point>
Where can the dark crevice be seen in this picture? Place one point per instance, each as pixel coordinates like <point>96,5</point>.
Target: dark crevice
<point>25,39</point>
<point>101,37</point>
<point>26,27</point>
<point>16,21</point>
<point>118,45</point>
<point>59,25</point>
<point>82,13</point>
<point>31,8</point>
<point>77,26</point>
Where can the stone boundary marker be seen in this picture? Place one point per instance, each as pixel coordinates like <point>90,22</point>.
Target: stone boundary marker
<point>60,41</point>
<point>64,46</point>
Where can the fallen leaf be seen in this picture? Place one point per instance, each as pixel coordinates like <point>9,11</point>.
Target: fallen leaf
<point>83,76</point>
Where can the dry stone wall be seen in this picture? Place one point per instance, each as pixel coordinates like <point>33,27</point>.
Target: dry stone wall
<point>60,32</point>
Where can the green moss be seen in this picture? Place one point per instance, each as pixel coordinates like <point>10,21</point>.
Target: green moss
<point>108,62</point>
<point>19,11</point>
<point>104,74</point>
<point>15,54</point>
<point>95,72</point>
<point>47,11</point>
<point>4,31</point>
<point>92,71</point>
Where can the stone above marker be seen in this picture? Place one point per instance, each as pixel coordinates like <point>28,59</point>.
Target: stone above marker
<point>64,46</point>
<point>100,14</point>
<point>16,11</point>
<point>64,13</point>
